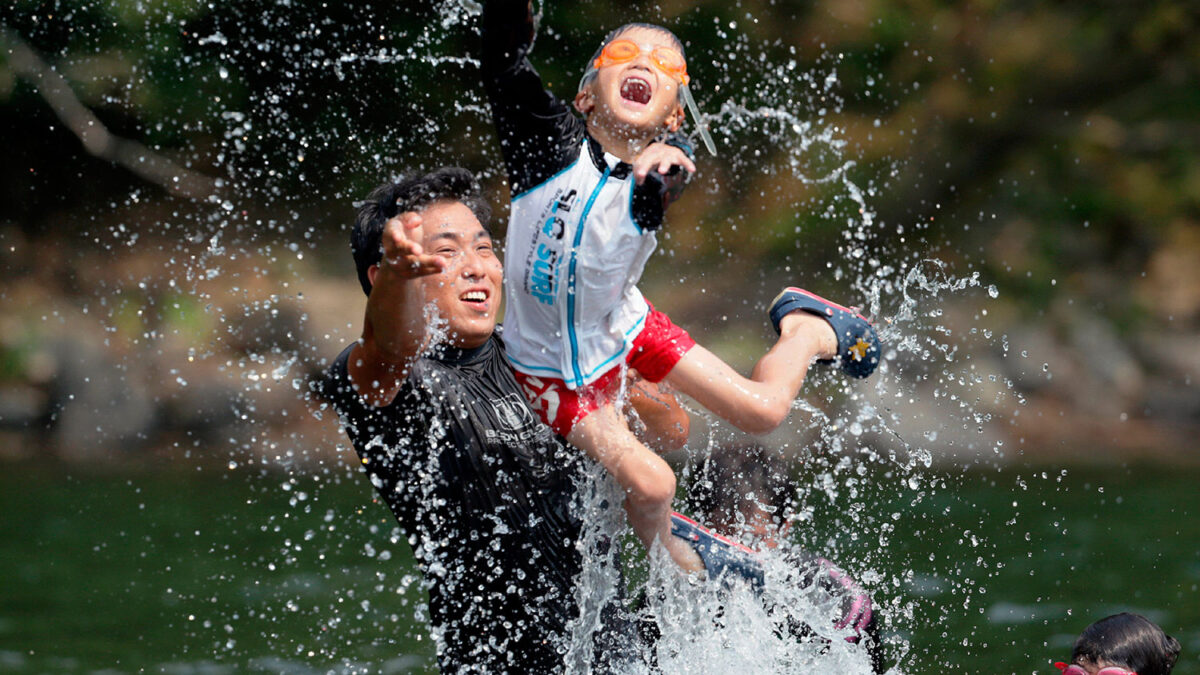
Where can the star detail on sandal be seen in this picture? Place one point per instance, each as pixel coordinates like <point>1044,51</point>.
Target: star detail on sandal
<point>859,349</point>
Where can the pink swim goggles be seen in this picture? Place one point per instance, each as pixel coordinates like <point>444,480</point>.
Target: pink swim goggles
<point>1072,669</point>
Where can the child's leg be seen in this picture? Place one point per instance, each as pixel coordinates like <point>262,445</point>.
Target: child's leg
<point>664,423</point>
<point>590,421</point>
<point>648,481</point>
<point>760,403</point>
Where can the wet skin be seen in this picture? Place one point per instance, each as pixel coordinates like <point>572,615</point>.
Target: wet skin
<point>440,259</point>
<point>454,263</point>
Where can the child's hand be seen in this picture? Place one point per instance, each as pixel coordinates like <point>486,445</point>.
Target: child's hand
<point>660,157</point>
<point>401,251</point>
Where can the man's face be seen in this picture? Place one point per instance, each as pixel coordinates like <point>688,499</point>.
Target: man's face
<point>467,292</point>
<point>636,95</point>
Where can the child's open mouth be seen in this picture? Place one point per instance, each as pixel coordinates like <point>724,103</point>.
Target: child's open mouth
<point>636,90</point>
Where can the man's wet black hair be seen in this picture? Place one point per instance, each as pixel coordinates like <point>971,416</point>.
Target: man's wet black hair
<point>589,72</point>
<point>413,193</point>
<point>1129,641</point>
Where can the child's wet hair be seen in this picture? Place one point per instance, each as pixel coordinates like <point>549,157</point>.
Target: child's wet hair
<point>1127,640</point>
<point>414,193</point>
<point>589,72</point>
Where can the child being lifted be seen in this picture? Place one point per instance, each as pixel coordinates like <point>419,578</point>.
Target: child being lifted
<point>588,197</point>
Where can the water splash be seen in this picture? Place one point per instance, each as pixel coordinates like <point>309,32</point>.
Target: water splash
<point>857,441</point>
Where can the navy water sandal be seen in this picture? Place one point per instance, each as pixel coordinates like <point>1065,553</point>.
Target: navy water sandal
<point>858,345</point>
<point>728,562</point>
<point>723,558</point>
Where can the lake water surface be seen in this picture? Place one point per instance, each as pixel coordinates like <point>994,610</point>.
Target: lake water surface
<point>211,571</point>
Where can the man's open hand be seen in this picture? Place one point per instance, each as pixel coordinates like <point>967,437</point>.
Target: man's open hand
<point>660,157</point>
<point>402,254</point>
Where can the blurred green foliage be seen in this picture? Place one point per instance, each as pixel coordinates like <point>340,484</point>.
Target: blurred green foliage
<point>1043,141</point>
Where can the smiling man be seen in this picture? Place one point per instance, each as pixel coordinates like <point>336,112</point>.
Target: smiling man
<point>481,489</point>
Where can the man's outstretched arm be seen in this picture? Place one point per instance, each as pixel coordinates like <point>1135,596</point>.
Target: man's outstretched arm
<point>395,326</point>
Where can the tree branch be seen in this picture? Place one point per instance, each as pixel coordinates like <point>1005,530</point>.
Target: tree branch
<point>96,138</point>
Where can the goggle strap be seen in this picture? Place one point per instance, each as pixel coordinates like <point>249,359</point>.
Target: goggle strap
<point>537,8</point>
<point>695,111</point>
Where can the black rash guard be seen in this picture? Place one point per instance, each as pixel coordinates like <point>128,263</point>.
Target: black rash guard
<point>483,491</point>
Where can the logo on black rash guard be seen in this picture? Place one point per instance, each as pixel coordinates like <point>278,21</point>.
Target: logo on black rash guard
<point>513,413</point>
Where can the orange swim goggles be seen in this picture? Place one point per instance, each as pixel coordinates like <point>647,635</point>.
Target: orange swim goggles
<point>665,59</point>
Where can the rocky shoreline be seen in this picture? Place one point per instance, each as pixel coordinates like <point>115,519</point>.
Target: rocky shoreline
<point>139,357</point>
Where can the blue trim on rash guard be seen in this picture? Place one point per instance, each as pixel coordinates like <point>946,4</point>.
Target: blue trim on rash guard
<point>568,168</point>
<point>602,366</point>
<point>640,229</point>
<point>639,322</point>
<point>556,371</point>
<point>559,373</point>
<point>571,277</point>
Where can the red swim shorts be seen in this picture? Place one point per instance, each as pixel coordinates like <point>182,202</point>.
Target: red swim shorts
<point>654,353</point>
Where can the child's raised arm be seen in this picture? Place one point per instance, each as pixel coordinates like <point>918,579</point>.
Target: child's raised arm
<point>538,132</point>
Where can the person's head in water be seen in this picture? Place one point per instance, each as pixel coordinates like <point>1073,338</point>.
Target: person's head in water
<point>742,489</point>
<point>630,89</point>
<point>454,225</point>
<point>1123,642</point>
